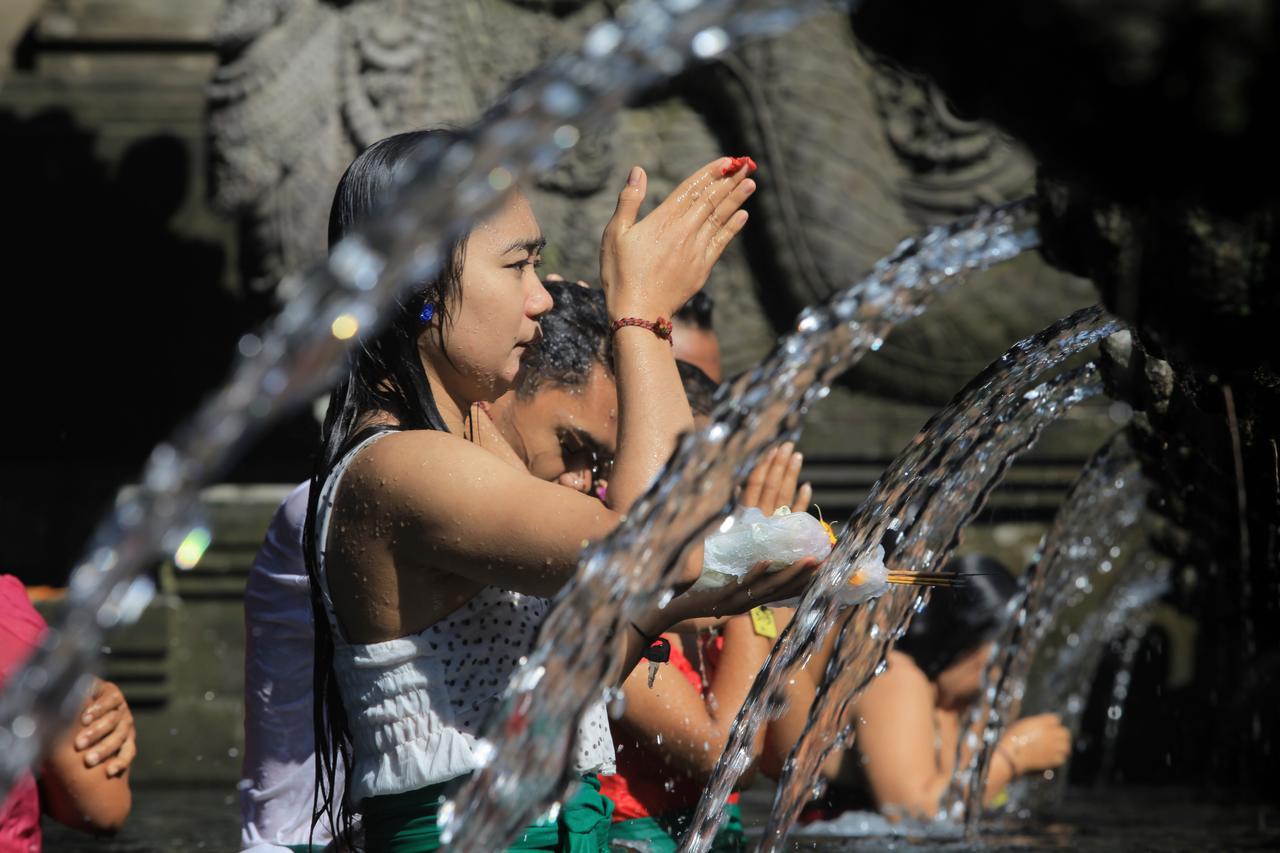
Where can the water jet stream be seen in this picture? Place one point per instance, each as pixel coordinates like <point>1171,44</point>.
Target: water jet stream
<point>1062,685</point>
<point>1105,501</point>
<point>916,510</point>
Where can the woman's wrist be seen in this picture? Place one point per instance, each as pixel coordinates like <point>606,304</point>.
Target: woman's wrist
<point>654,622</point>
<point>1005,753</point>
<point>644,307</point>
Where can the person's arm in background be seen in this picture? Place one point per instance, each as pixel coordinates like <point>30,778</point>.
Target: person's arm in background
<point>84,783</point>
<point>692,728</point>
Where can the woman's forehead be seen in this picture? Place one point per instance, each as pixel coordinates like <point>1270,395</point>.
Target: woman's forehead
<point>513,222</point>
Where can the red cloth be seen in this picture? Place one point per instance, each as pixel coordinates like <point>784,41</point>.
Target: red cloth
<point>638,787</point>
<point>20,630</point>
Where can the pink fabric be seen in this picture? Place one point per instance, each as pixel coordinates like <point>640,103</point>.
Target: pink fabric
<point>20,630</point>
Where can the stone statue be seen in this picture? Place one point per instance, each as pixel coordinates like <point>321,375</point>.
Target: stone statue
<point>854,156</point>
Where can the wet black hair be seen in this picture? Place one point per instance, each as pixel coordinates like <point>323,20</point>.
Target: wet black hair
<point>697,311</point>
<point>384,375</point>
<point>698,387</point>
<point>575,338</point>
<point>960,619</point>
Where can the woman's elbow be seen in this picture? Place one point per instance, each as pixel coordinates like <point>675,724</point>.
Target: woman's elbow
<point>113,815</point>
<point>101,812</point>
<point>917,802</point>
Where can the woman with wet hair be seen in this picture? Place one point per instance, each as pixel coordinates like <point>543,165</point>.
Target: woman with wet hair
<point>432,558</point>
<point>909,718</point>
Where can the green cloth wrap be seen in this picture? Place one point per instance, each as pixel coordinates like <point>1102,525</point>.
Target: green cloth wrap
<point>662,832</point>
<point>408,822</point>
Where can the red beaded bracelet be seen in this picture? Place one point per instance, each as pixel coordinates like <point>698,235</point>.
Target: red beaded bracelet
<point>660,327</point>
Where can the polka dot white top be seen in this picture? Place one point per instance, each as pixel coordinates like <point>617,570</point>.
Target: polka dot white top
<point>416,704</point>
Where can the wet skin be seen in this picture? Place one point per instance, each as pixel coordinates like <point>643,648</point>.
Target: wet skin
<point>564,435</point>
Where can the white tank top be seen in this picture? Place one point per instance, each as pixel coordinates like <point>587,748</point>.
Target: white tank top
<point>416,704</point>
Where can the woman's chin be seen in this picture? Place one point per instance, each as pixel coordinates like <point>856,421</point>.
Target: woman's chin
<point>515,375</point>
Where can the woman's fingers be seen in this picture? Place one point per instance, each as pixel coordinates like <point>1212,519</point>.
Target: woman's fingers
<point>754,488</point>
<point>718,175</point>
<point>762,586</point>
<point>110,745</point>
<point>722,208</point>
<point>804,495</point>
<point>129,751</point>
<point>98,729</point>
<point>629,200</point>
<point>792,580</point>
<point>789,480</point>
<point>105,697</point>
<point>775,481</point>
<point>721,239</point>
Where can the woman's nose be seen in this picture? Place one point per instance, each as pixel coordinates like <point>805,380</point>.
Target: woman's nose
<point>539,301</point>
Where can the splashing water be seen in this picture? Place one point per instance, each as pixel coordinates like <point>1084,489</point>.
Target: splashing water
<point>1104,502</point>
<point>919,506</point>
<point>1137,632</point>
<point>447,189</point>
<point>627,573</point>
<point>1062,685</point>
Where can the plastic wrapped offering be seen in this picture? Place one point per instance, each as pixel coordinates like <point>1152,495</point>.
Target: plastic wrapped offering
<point>749,537</point>
<point>870,578</point>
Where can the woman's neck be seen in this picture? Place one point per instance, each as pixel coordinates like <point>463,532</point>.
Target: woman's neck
<point>502,412</point>
<point>455,410</point>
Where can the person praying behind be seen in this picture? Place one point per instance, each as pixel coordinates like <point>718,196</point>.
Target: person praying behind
<point>909,718</point>
<point>84,781</point>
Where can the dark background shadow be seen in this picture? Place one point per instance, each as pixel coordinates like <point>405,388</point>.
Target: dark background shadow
<point>118,325</point>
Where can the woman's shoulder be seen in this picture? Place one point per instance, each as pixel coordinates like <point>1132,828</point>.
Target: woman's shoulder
<point>419,460</point>
<point>393,445</point>
<point>403,451</point>
<point>902,676</point>
<point>402,468</point>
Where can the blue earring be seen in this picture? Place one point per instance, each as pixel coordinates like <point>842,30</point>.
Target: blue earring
<point>428,311</point>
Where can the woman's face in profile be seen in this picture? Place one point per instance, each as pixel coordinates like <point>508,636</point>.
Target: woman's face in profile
<point>494,319</point>
<point>958,684</point>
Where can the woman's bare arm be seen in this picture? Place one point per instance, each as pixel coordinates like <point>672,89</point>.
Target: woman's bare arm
<point>897,739</point>
<point>89,799</point>
<point>648,269</point>
<point>800,693</point>
<point>693,730</point>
